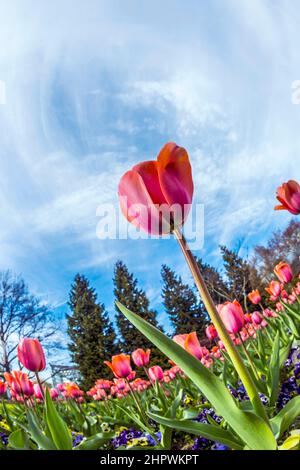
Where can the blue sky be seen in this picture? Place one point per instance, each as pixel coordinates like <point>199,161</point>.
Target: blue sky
<point>93,88</point>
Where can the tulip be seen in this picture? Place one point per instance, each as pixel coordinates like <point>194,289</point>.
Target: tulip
<point>254,297</point>
<point>232,316</point>
<point>38,392</point>
<point>157,195</point>
<point>2,387</point>
<point>274,290</point>
<point>289,196</point>
<point>156,373</point>
<point>140,357</point>
<point>247,318</point>
<point>191,344</point>
<point>31,354</point>
<point>53,393</point>
<point>19,383</point>
<point>211,332</point>
<point>256,318</point>
<point>284,272</point>
<point>120,365</point>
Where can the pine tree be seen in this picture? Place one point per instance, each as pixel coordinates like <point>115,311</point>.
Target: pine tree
<point>92,338</point>
<point>241,276</point>
<point>216,285</point>
<point>181,304</point>
<point>128,293</point>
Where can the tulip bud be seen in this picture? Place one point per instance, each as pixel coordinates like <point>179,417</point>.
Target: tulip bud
<point>31,354</point>
<point>120,365</point>
<point>232,316</point>
<point>211,332</point>
<point>140,357</point>
<point>156,373</point>
<point>254,297</point>
<point>284,272</point>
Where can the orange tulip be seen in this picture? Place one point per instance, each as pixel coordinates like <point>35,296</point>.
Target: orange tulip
<point>157,195</point>
<point>289,196</point>
<point>274,290</point>
<point>284,272</point>
<point>254,297</point>
<point>120,365</point>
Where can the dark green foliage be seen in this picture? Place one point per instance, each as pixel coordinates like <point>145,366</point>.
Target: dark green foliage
<point>181,304</point>
<point>90,331</point>
<point>241,277</point>
<point>128,293</point>
<point>216,285</point>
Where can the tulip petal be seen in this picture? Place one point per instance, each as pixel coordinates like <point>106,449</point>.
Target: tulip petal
<point>175,175</point>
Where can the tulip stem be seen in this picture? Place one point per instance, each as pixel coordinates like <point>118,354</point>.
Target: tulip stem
<point>220,327</point>
<point>40,384</point>
<point>248,357</point>
<point>137,402</point>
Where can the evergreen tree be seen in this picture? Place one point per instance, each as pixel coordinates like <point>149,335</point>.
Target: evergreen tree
<point>241,276</point>
<point>216,285</point>
<point>181,304</point>
<point>92,338</point>
<point>128,293</point>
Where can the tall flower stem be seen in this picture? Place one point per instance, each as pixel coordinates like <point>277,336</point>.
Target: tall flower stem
<point>40,384</point>
<point>220,327</point>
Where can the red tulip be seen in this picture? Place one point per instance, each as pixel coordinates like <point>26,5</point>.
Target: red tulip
<point>156,373</point>
<point>120,365</point>
<point>211,332</point>
<point>232,316</point>
<point>254,297</point>
<point>140,357</point>
<point>157,195</point>
<point>289,196</point>
<point>284,272</point>
<point>31,354</point>
<point>2,387</point>
<point>274,290</point>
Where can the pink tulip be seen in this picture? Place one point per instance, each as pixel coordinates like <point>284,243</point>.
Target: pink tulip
<point>211,332</point>
<point>256,318</point>
<point>156,373</point>
<point>140,357</point>
<point>38,392</point>
<point>31,354</point>
<point>53,393</point>
<point>2,387</point>
<point>157,195</point>
<point>232,316</point>
<point>274,289</point>
<point>284,272</point>
<point>289,196</point>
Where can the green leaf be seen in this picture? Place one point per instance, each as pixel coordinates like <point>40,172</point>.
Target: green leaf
<point>60,434</point>
<point>285,418</point>
<point>215,433</point>
<point>252,429</point>
<point>18,440</point>
<point>95,442</point>
<point>274,371</point>
<point>37,434</point>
